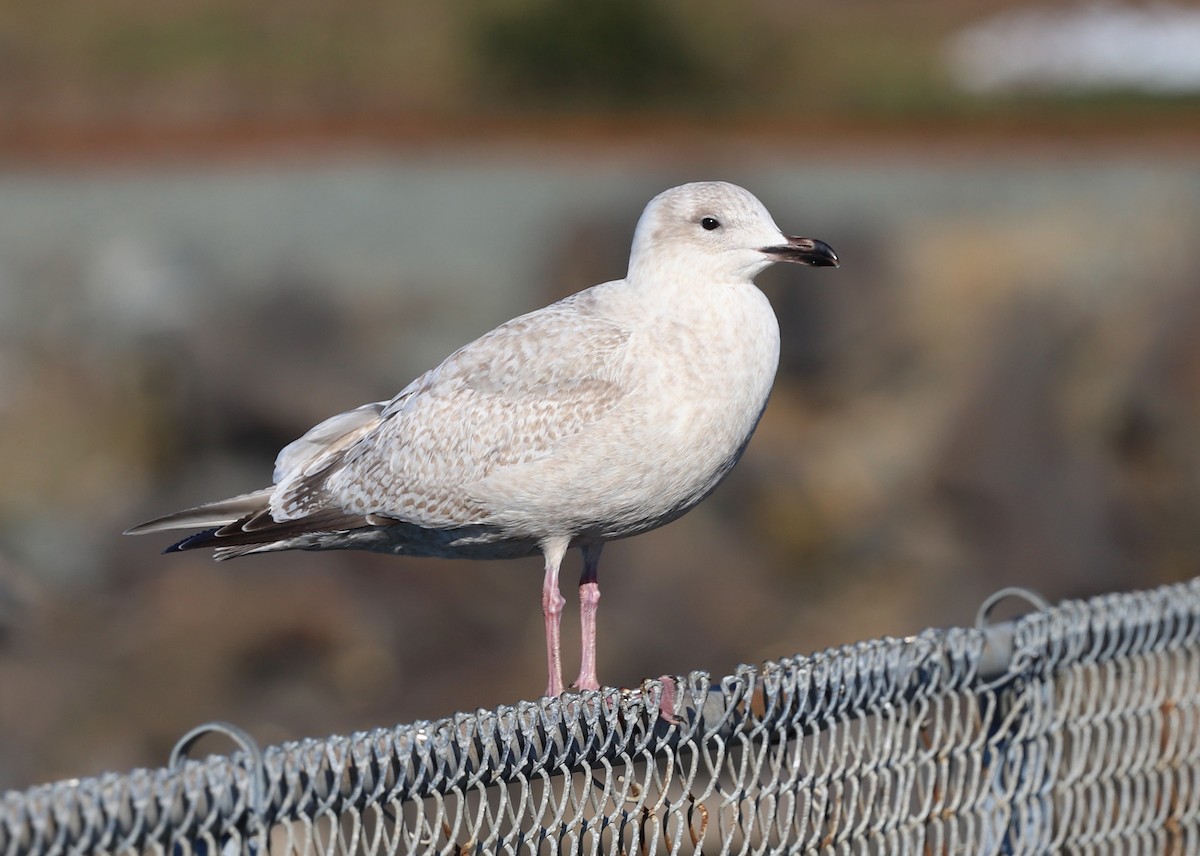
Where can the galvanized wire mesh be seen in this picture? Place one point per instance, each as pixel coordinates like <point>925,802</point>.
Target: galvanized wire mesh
<point>1076,729</point>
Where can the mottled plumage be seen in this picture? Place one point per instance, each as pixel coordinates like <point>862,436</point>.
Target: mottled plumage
<point>601,416</point>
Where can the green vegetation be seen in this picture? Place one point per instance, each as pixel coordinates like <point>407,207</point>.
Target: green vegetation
<point>623,52</point>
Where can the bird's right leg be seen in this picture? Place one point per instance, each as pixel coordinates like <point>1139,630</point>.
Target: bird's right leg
<point>552,607</point>
<point>589,599</point>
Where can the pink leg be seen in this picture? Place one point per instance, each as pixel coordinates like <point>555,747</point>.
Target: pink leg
<point>552,607</point>
<point>589,599</point>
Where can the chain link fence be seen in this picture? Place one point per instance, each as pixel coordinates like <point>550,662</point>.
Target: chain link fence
<point>1074,729</point>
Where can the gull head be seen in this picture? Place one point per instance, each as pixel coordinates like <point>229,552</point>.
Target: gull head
<point>715,230</point>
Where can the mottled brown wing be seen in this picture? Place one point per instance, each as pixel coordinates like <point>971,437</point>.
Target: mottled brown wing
<point>507,398</point>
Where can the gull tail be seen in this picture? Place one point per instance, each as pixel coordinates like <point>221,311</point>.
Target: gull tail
<point>242,525</point>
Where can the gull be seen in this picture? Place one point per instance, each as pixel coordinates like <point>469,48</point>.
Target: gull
<point>604,415</point>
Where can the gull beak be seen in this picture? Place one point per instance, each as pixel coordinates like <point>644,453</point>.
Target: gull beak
<point>804,251</point>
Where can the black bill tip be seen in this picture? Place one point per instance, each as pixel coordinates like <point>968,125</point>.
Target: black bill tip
<point>805,251</point>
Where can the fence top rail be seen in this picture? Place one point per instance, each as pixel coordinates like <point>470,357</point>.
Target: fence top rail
<point>228,796</point>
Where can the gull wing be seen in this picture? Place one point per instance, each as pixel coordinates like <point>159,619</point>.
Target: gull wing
<point>507,398</point>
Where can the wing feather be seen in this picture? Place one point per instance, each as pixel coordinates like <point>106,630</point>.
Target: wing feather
<point>507,398</point>
<point>209,515</point>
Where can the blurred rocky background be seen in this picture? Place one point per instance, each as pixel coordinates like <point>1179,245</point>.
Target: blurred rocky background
<point>221,222</point>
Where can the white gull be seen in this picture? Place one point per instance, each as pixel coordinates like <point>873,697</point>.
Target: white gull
<point>606,414</point>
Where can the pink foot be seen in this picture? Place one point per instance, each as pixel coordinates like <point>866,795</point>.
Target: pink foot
<point>666,702</point>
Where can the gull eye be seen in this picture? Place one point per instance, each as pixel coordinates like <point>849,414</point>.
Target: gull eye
<point>710,223</point>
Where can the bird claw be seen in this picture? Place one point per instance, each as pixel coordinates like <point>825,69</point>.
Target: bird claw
<point>666,701</point>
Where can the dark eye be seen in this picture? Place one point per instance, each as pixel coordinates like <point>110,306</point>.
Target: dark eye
<point>710,223</point>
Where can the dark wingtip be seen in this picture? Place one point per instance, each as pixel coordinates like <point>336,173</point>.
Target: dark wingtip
<point>191,542</point>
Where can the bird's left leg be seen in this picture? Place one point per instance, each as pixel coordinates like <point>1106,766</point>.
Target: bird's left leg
<point>589,599</point>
